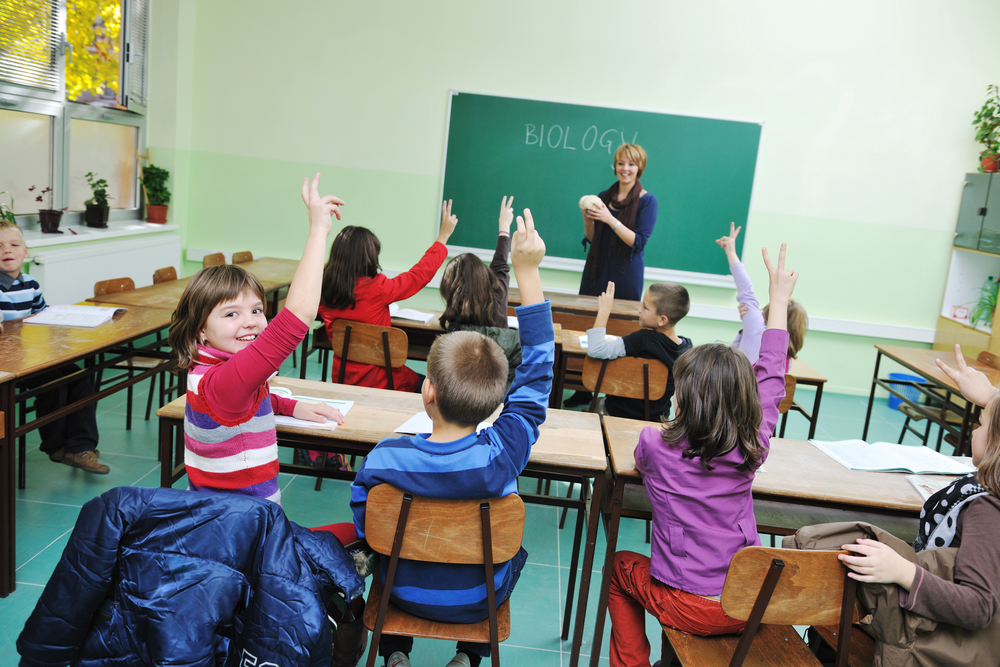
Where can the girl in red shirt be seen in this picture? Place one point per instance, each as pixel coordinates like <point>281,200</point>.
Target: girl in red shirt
<point>355,289</point>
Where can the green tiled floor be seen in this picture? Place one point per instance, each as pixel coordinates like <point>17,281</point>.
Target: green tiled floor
<point>47,511</point>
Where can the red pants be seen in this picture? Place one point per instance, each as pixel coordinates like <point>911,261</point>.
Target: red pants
<point>634,592</point>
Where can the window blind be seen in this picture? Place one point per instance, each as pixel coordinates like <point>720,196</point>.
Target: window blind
<point>134,65</point>
<point>29,43</point>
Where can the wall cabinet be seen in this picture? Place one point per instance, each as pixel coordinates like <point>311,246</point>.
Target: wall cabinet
<point>978,225</point>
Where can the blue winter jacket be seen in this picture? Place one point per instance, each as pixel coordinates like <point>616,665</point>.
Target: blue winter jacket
<point>167,577</point>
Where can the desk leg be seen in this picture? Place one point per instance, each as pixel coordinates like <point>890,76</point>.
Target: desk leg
<point>574,559</point>
<point>815,410</point>
<point>8,532</point>
<point>165,448</point>
<point>602,606</point>
<point>871,396</point>
<point>966,428</point>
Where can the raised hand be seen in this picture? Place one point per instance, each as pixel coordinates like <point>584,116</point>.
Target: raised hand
<point>607,299</point>
<point>526,252</point>
<point>506,214</point>
<point>782,280</point>
<point>321,209</point>
<point>973,384</point>
<point>448,222</point>
<point>728,243</point>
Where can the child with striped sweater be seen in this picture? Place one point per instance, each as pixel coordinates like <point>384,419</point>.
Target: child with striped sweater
<point>221,336</point>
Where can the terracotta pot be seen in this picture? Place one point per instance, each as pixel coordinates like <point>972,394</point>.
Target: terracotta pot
<point>96,216</point>
<point>157,214</point>
<point>50,221</point>
<point>989,163</point>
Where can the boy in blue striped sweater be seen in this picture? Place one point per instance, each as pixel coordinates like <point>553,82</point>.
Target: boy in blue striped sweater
<point>466,377</point>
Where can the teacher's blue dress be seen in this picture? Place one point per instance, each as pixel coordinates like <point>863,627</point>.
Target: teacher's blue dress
<point>626,275</point>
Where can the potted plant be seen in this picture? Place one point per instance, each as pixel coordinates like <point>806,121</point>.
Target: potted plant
<point>48,217</point>
<point>158,196</point>
<point>987,122</point>
<point>97,211</point>
<point>7,212</point>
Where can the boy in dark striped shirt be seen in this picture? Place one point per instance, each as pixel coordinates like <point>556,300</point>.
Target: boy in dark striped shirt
<point>72,439</point>
<point>466,377</point>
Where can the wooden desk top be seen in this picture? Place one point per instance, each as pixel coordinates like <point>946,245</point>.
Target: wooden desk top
<point>793,469</point>
<point>433,326</point>
<point>567,438</point>
<point>580,304</point>
<point>6,377</point>
<point>922,362</point>
<point>26,349</point>
<point>803,372</point>
<point>273,272</point>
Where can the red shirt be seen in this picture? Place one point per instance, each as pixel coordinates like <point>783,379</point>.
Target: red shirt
<point>372,298</point>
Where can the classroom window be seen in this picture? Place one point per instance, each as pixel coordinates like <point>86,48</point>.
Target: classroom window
<point>109,151</point>
<point>29,42</point>
<point>93,30</point>
<point>27,139</point>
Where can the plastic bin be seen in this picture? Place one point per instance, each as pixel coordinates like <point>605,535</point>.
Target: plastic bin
<point>911,393</point>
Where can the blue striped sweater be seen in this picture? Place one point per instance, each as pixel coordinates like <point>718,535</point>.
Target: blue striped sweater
<point>483,465</point>
<point>20,297</point>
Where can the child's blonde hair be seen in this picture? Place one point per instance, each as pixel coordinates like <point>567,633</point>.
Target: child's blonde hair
<point>717,405</point>
<point>208,288</point>
<point>798,326</point>
<point>7,224</point>
<point>988,470</point>
<point>469,374</point>
<point>470,292</point>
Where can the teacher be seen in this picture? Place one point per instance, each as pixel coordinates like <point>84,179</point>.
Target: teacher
<point>617,229</point>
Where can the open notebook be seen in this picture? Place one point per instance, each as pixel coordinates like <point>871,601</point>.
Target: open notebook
<point>329,425</point>
<point>887,457</point>
<point>86,317</point>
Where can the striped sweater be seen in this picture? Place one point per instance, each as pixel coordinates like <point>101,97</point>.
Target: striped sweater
<point>483,465</point>
<point>230,441</point>
<point>20,297</point>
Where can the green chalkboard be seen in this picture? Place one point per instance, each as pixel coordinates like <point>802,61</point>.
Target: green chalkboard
<point>549,154</point>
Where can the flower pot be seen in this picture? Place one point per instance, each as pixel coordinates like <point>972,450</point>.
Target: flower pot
<point>50,221</point>
<point>96,216</point>
<point>988,163</point>
<point>157,214</point>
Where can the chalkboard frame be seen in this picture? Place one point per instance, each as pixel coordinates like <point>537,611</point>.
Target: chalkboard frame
<point>576,265</point>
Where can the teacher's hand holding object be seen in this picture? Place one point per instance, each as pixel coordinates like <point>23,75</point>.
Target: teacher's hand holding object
<point>616,225</point>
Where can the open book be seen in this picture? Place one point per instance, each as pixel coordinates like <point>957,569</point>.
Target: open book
<point>75,316</point>
<point>328,425</point>
<point>887,457</point>
<point>928,486</point>
<point>409,314</point>
<point>421,423</point>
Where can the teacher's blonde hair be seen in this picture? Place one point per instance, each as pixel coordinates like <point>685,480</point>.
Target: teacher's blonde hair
<point>633,152</point>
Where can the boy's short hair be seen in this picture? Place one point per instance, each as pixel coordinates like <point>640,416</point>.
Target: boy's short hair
<point>7,224</point>
<point>469,374</point>
<point>670,299</point>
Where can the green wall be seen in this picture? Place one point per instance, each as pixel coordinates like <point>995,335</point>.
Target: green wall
<point>867,110</point>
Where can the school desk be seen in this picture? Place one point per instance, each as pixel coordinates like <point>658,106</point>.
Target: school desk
<point>577,312</point>
<point>799,486</point>
<point>805,375</point>
<point>28,350</point>
<point>938,388</point>
<point>570,448</point>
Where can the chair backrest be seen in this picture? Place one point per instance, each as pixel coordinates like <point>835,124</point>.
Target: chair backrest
<point>164,275</point>
<point>113,286</point>
<point>241,257</point>
<point>443,531</point>
<point>215,259</point>
<point>789,398</point>
<point>628,377</point>
<point>989,359</point>
<point>809,591</point>
<point>368,344</point>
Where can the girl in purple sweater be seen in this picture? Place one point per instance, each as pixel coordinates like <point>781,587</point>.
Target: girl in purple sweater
<point>698,472</point>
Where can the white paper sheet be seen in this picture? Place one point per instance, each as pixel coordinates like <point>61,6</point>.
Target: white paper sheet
<point>421,423</point>
<point>86,317</point>
<point>889,457</point>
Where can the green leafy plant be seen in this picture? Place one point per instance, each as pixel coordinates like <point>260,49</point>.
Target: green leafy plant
<point>99,187</point>
<point>7,212</point>
<point>987,303</point>
<point>155,180</point>
<point>987,122</point>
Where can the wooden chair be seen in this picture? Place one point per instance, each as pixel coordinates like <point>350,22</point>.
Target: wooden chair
<point>478,532</point>
<point>215,259</point>
<point>773,589</point>
<point>628,377</point>
<point>321,342</point>
<point>164,275</point>
<point>242,257</point>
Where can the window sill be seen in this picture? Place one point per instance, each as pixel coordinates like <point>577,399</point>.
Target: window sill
<point>34,237</point>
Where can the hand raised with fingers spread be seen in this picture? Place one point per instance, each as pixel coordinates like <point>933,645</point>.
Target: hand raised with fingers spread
<point>973,384</point>
<point>527,247</point>
<point>448,222</point>
<point>782,280</point>
<point>728,243</point>
<point>321,209</point>
<point>506,214</point>
<point>607,299</point>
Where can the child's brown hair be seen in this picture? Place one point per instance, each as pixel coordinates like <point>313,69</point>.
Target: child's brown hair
<point>470,292</point>
<point>798,326</point>
<point>670,299</point>
<point>469,374</point>
<point>717,405</point>
<point>354,254</point>
<point>988,471</point>
<point>208,288</point>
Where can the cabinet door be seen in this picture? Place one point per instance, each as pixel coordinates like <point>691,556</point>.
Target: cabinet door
<point>970,215</point>
<point>989,238</point>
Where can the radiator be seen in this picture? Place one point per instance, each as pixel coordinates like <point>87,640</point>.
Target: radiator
<point>67,274</point>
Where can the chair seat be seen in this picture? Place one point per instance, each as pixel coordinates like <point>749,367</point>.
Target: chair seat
<point>141,363</point>
<point>398,622</point>
<point>774,645</point>
<point>862,653</point>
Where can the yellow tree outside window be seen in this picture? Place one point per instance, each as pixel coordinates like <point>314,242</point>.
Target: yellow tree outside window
<point>93,28</point>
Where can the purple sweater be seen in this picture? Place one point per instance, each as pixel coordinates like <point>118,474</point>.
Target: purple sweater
<point>748,339</point>
<point>701,518</point>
